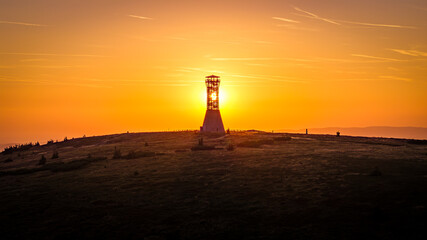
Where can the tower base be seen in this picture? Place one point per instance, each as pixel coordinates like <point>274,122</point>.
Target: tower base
<point>213,122</point>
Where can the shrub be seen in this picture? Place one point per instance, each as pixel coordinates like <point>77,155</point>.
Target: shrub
<point>117,154</point>
<point>65,139</point>
<point>55,155</point>
<point>42,160</point>
<point>255,144</point>
<point>418,142</point>
<point>138,154</point>
<point>50,141</point>
<point>203,147</point>
<point>22,147</point>
<point>230,147</point>
<point>283,138</point>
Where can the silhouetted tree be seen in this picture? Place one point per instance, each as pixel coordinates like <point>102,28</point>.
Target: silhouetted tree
<point>55,155</point>
<point>42,160</point>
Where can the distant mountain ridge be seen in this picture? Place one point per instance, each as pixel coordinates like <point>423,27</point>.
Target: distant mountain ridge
<point>373,131</point>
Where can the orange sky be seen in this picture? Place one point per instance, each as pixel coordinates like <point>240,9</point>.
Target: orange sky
<point>69,68</point>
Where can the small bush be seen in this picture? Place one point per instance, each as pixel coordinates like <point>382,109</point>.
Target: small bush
<point>117,154</point>
<point>65,139</point>
<point>255,144</point>
<point>55,155</point>
<point>15,148</point>
<point>131,155</point>
<point>230,147</point>
<point>283,138</point>
<point>417,142</point>
<point>50,141</point>
<point>139,154</point>
<point>202,147</point>
<point>42,160</point>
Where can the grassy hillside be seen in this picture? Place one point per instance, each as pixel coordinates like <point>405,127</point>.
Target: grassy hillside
<point>244,185</point>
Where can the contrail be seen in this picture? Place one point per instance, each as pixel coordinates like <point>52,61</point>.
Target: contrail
<point>23,23</point>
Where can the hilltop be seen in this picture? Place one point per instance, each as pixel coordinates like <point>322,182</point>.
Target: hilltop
<point>373,131</point>
<point>248,184</point>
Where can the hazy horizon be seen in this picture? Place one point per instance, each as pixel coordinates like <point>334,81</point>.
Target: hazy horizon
<point>407,132</point>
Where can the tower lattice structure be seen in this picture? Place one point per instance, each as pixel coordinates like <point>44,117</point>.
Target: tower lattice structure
<point>212,85</point>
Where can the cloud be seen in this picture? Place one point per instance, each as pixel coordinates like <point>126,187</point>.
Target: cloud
<point>33,60</point>
<point>268,78</point>
<point>49,54</point>
<point>23,24</point>
<point>140,17</point>
<point>243,59</point>
<point>53,66</point>
<point>295,27</point>
<point>339,22</point>
<point>286,20</point>
<point>377,24</point>
<point>314,16</point>
<point>249,59</point>
<point>413,53</point>
<point>396,78</point>
<point>193,69</point>
<point>263,42</point>
<point>178,38</point>
<point>377,58</point>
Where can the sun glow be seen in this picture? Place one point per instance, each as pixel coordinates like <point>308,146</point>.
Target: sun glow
<point>222,97</point>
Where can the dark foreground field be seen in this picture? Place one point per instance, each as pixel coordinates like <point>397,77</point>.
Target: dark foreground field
<point>270,186</point>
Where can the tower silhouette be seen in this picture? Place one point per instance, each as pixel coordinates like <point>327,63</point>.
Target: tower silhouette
<point>213,120</point>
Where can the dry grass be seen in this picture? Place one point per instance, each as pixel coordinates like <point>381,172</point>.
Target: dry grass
<point>309,187</point>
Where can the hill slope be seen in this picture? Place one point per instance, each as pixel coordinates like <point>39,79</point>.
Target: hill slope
<point>271,186</point>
